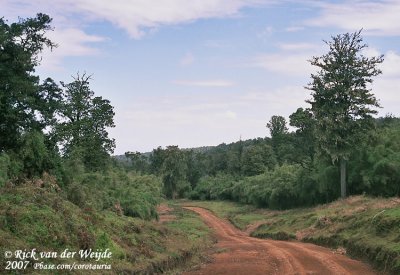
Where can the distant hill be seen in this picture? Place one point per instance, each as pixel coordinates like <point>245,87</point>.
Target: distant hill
<point>205,149</point>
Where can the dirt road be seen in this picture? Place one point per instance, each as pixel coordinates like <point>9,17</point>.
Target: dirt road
<point>241,254</point>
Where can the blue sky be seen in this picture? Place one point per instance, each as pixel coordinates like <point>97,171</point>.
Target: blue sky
<point>203,72</point>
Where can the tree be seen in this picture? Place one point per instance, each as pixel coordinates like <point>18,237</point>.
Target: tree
<point>253,163</point>
<point>139,161</point>
<point>156,159</point>
<point>23,105</point>
<point>174,171</point>
<point>277,126</point>
<point>195,167</point>
<point>304,140</point>
<point>342,103</point>
<point>257,158</point>
<point>279,134</point>
<point>34,154</point>
<point>86,118</point>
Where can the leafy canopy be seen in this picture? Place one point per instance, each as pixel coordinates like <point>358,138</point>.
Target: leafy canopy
<point>342,102</point>
<point>24,104</point>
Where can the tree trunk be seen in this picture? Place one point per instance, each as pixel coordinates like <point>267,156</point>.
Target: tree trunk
<point>343,178</point>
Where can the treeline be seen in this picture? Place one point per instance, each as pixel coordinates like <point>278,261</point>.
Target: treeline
<point>54,135</point>
<point>336,149</point>
<point>279,172</point>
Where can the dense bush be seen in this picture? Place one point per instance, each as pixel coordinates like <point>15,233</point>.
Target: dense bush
<point>4,168</point>
<point>376,168</point>
<point>279,188</point>
<point>211,188</point>
<point>128,193</point>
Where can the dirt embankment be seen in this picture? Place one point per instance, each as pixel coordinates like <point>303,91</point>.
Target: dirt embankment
<point>241,254</point>
<point>164,215</point>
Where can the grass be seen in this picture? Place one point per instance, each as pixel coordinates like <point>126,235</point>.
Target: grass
<point>239,214</point>
<point>369,228</point>
<point>32,217</point>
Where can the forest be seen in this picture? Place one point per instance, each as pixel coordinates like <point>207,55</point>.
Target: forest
<point>281,172</point>
<point>54,136</point>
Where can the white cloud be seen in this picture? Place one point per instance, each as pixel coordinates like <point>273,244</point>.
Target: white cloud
<point>370,52</point>
<point>134,16</point>
<point>68,33</point>
<point>71,42</point>
<point>375,17</point>
<point>391,65</point>
<point>204,83</point>
<point>291,59</point>
<point>285,63</point>
<point>386,87</point>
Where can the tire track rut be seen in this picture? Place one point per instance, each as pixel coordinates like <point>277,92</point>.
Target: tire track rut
<point>241,254</point>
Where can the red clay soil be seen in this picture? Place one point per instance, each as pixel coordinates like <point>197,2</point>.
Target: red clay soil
<point>241,254</point>
<point>163,213</point>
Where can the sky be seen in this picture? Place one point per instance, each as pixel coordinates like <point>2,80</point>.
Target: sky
<point>202,72</point>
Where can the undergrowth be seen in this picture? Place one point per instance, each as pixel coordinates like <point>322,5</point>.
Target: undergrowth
<point>33,217</point>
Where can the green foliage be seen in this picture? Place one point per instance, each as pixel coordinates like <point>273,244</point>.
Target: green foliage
<point>277,126</point>
<point>38,119</point>
<point>280,138</point>
<point>342,104</point>
<point>138,162</point>
<point>284,187</point>
<point>4,168</point>
<point>156,160</point>
<point>376,165</point>
<point>34,154</point>
<point>212,188</point>
<point>174,171</point>
<point>12,166</point>
<point>195,167</point>
<point>32,217</point>
<point>305,178</point>
<point>22,100</point>
<point>304,137</point>
<point>85,120</point>
<point>275,189</point>
<point>256,159</point>
<point>130,194</point>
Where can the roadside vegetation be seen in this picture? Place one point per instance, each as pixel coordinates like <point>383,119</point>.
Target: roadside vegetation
<point>40,218</point>
<point>363,227</point>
